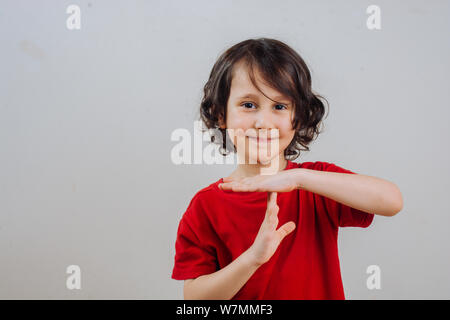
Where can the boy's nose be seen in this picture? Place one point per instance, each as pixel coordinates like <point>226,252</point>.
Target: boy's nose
<point>263,123</point>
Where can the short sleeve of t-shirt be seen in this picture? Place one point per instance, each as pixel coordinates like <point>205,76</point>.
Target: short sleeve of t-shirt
<point>193,257</point>
<point>343,215</point>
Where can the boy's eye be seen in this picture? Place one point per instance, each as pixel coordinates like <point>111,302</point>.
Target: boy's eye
<point>282,106</point>
<point>245,104</point>
<point>248,105</point>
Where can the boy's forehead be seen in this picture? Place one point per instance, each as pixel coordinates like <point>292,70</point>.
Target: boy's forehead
<point>241,76</point>
<point>242,86</point>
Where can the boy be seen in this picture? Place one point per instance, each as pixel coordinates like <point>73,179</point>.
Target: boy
<point>229,245</point>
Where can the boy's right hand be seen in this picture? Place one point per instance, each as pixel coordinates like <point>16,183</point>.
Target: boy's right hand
<point>268,238</point>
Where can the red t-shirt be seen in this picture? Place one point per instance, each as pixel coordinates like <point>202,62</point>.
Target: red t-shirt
<point>220,225</point>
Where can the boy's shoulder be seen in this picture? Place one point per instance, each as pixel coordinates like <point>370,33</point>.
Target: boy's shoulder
<point>316,165</point>
<point>202,196</point>
<point>322,166</point>
<point>208,190</point>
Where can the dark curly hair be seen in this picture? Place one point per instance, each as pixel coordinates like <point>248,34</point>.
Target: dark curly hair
<point>284,70</point>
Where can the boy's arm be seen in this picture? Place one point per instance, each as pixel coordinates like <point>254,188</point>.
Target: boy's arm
<point>225,283</point>
<point>365,193</point>
<point>222,284</point>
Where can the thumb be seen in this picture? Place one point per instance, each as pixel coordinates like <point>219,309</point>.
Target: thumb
<point>285,229</point>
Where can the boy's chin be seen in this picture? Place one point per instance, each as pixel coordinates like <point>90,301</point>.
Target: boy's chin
<point>264,161</point>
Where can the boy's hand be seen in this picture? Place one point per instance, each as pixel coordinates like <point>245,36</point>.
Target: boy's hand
<point>268,238</point>
<point>283,181</point>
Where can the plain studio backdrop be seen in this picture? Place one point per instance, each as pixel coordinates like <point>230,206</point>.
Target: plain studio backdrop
<point>86,117</point>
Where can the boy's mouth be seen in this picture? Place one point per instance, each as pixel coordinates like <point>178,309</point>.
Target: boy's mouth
<point>260,139</point>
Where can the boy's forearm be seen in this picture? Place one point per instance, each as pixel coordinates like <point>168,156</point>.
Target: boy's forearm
<point>222,284</point>
<point>366,193</point>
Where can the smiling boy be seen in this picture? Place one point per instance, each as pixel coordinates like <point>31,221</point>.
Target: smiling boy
<point>229,245</point>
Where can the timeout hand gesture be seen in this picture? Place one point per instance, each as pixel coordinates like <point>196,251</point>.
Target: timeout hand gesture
<point>268,238</point>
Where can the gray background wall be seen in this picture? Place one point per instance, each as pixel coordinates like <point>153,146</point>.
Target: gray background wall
<point>86,117</point>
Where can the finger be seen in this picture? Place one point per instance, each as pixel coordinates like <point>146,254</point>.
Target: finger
<point>272,211</point>
<point>226,185</point>
<point>285,229</point>
<point>271,198</point>
<point>273,220</point>
<point>235,186</point>
<point>238,187</point>
<point>227,179</point>
<point>272,201</point>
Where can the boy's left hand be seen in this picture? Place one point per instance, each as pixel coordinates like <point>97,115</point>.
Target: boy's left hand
<point>282,181</point>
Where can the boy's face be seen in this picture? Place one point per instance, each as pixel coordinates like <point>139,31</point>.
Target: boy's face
<point>248,109</point>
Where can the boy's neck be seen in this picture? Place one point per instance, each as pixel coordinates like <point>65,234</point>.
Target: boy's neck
<point>250,170</point>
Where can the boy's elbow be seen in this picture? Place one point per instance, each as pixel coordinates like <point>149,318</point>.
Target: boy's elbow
<point>398,203</point>
<point>397,208</point>
<point>186,289</point>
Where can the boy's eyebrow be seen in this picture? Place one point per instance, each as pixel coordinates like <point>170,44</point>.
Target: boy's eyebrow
<point>253,96</point>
